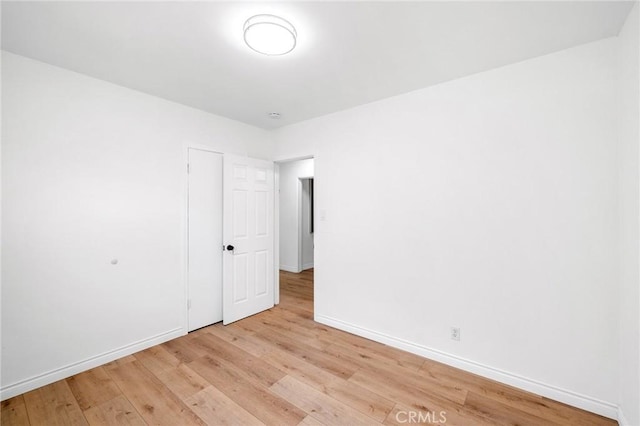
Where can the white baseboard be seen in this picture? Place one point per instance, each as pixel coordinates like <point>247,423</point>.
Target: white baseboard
<point>307,266</point>
<point>286,268</point>
<point>553,392</point>
<point>622,420</point>
<point>49,377</point>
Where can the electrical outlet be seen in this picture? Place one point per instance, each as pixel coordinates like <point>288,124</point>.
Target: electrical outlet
<point>455,333</point>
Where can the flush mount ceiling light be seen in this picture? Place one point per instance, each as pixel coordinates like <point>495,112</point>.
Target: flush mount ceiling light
<point>270,35</point>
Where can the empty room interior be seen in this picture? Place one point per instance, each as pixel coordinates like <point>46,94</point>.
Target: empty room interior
<point>320,213</point>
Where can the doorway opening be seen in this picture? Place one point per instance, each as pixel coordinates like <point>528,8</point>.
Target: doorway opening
<point>296,222</point>
<point>296,226</point>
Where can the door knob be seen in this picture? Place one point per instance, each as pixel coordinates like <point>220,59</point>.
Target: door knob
<point>230,247</point>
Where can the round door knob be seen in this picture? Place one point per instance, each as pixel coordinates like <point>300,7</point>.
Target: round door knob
<point>230,247</point>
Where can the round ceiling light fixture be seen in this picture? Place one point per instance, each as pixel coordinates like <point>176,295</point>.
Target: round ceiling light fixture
<point>270,35</point>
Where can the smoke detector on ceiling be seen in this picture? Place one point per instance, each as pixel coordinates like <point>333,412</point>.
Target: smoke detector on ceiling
<point>274,115</point>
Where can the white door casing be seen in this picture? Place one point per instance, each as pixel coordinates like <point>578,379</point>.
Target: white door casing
<point>204,238</point>
<point>248,272</point>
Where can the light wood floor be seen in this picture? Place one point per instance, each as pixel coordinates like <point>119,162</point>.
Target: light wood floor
<point>281,368</point>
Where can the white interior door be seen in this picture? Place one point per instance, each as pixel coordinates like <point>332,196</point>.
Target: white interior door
<point>248,235</point>
<point>205,238</point>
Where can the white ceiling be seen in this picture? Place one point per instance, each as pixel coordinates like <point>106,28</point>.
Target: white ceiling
<point>348,53</point>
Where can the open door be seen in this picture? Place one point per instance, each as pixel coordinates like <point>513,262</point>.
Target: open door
<point>248,274</point>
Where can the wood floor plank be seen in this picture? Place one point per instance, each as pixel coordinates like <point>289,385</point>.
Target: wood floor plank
<point>333,335</point>
<point>254,367</point>
<point>300,369</point>
<point>275,320</point>
<point>93,387</point>
<point>119,361</point>
<point>340,367</point>
<point>395,389</point>
<point>372,351</point>
<point>319,405</point>
<point>247,325</point>
<point>570,415</point>
<point>117,411</point>
<point>256,399</point>
<point>53,404</point>
<point>182,381</point>
<point>361,345</point>
<point>150,397</point>
<point>295,309</point>
<point>369,358</point>
<point>501,413</point>
<point>310,421</point>
<point>157,359</point>
<point>406,380</point>
<point>240,339</point>
<point>183,350</point>
<point>215,408</point>
<point>361,399</point>
<point>14,412</point>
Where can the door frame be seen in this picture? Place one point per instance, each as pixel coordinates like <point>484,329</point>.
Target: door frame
<point>276,233</point>
<point>276,214</point>
<point>184,252</point>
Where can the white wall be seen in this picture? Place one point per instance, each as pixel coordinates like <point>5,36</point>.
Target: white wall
<point>289,178</point>
<point>628,118</point>
<point>92,172</point>
<point>487,203</point>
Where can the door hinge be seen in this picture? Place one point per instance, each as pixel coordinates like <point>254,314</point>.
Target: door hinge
<point>188,168</point>
<point>188,303</point>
